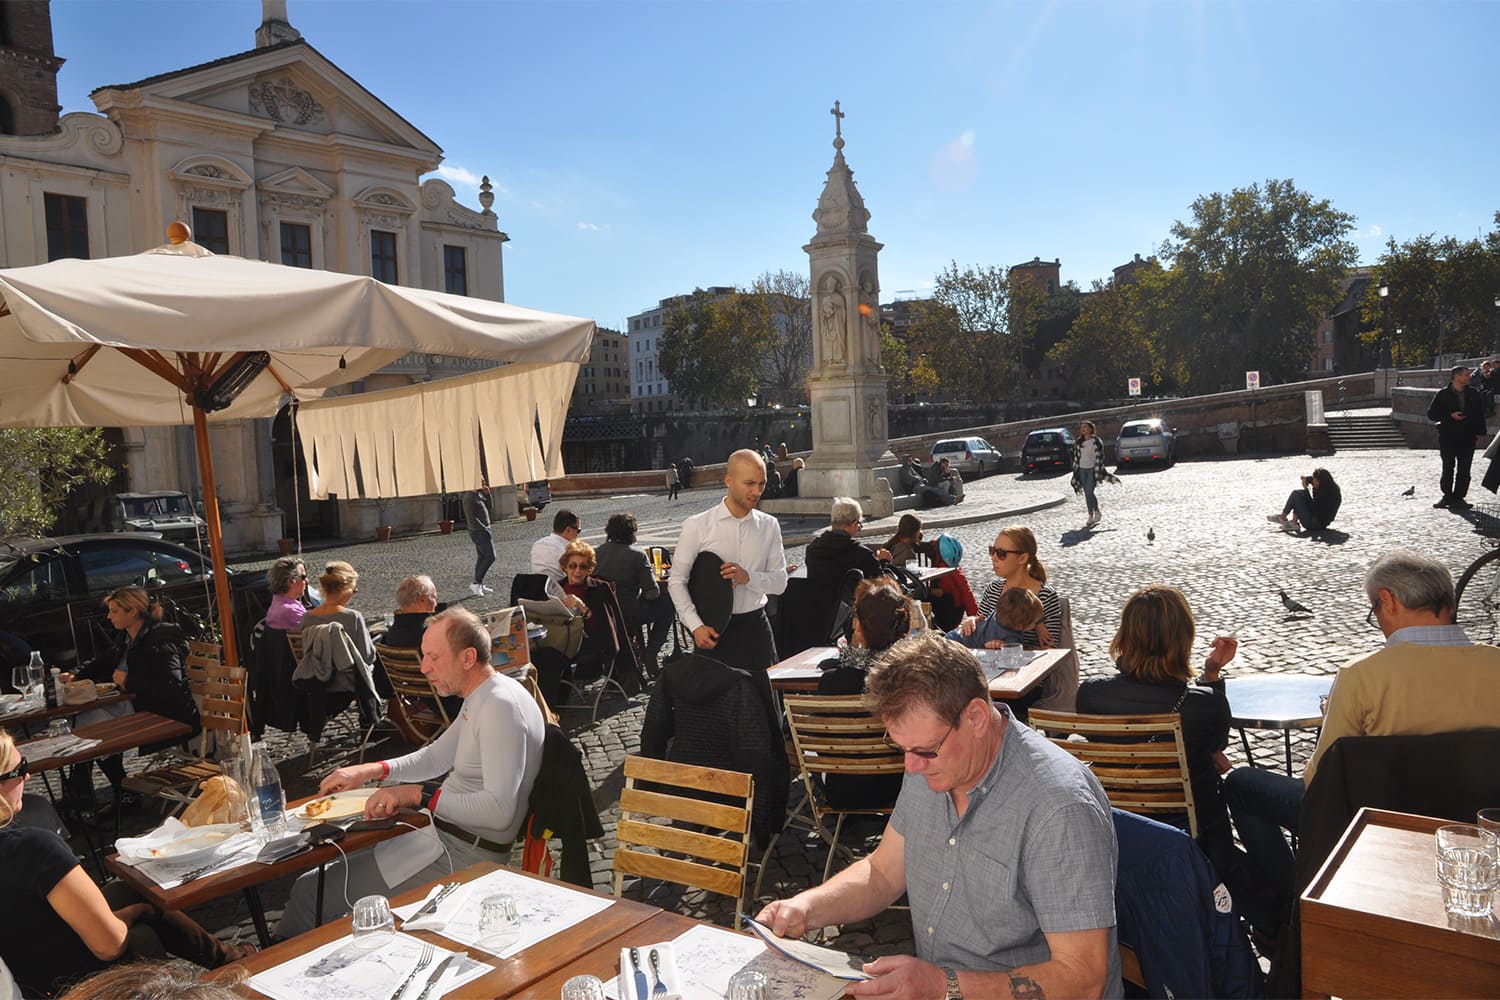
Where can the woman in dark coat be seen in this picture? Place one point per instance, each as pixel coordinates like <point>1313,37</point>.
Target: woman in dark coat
<point>604,624</point>
<point>1151,650</point>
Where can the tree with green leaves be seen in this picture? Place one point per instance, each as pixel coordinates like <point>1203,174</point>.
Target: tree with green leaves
<point>1253,273</point>
<point>713,350</point>
<point>1115,337</point>
<point>1441,297</point>
<point>42,465</point>
<point>966,323</point>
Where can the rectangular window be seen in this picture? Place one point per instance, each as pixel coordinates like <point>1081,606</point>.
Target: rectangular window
<point>455,270</point>
<point>383,256</point>
<point>296,244</point>
<point>211,229</point>
<point>67,226</point>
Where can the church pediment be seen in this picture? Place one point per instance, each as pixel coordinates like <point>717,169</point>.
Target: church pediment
<point>296,181</point>
<point>290,87</point>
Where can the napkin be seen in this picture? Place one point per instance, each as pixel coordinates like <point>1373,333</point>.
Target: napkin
<point>449,908</point>
<point>625,984</point>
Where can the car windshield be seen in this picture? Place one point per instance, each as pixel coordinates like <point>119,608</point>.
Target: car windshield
<point>948,446</point>
<point>1139,430</point>
<point>156,506</point>
<point>1042,439</point>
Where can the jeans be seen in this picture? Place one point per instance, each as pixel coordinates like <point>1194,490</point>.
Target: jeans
<point>1086,479</point>
<point>1263,803</point>
<point>1300,503</point>
<point>484,553</point>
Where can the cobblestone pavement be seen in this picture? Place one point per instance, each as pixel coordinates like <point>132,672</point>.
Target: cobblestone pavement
<point>1212,540</point>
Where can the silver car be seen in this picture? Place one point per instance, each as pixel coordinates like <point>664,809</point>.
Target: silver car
<point>967,455</point>
<point>1142,441</point>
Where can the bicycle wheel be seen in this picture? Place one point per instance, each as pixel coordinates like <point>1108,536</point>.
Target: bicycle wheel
<point>1479,598</point>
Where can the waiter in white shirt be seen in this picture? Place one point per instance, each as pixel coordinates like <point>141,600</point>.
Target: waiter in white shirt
<point>749,542</point>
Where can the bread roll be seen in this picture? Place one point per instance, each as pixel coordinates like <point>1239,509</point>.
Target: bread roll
<point>219,800</point>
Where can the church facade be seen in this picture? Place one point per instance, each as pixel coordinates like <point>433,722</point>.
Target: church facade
<point>271,154</point>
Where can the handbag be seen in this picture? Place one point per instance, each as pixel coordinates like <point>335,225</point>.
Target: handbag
<point>564,633</point>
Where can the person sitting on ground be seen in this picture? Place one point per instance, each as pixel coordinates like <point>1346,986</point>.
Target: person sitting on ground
<point>943,487</point>
<point>1313,507</point>
<point>1007,858</point>
<point>789,485</point>
<point>912,476</point>
<point>548,549</point>
<point>903,545</point>
<point>1152,650</point>
<point>487,762</point>
<point>287,579</point>
<point>641,596</point>
<point>1429,677</point>
<point>774,486</point>
<point>1017,612</point>
<point>56,925</point>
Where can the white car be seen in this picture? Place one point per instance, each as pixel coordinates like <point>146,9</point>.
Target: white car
<point>1146,441</point>
<point>968,455</point>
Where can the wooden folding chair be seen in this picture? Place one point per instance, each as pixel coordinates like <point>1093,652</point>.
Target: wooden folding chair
<point>1139,759</point>
<point>222,711</point>
<point>414,707</point>
<point>705,845</point>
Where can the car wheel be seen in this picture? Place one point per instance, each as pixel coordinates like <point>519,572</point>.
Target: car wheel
<point>980,473</point>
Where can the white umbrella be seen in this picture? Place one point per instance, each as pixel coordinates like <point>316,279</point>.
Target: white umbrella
<point>179,335</point>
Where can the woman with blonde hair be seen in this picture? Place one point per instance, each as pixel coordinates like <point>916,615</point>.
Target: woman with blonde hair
<point>56,925</point>
<point>1153,649</point>
<point>339,583</point>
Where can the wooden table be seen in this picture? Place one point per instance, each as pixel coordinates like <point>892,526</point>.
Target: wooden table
<point>24,719</point>
<point>116,735</point>
<point>1275,701</point>
<point>604,961</point>
<point>512,977</point>
<point>251,875</point>
<point>1373,922</point>
<point>800,672</point>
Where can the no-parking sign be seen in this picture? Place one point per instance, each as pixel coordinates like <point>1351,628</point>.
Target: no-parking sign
<point>1135,386</point>
<point>1252,380</point>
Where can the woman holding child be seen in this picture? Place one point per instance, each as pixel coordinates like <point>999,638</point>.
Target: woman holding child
<point>1013,557</point>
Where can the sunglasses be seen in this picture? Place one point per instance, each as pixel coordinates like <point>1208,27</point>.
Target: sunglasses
<point>1000,553</point>
<point>578,566</point>
<point>21,770</point>
<point>924,754</point>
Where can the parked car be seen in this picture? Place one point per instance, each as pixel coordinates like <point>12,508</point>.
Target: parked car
<point>536,494</point>
<point>1146,441</point>
<point>51,590</point>
<point>967,455</point>
<point>1048,449</point>
<point>168,512</point>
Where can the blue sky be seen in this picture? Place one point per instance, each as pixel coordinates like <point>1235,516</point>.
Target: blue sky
<point>643,147</point>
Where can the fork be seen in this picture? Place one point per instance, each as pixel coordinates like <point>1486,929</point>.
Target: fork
<point>423,961</point>
<point>191,874</point>
<point>431,906</point>
<point>660,989</point>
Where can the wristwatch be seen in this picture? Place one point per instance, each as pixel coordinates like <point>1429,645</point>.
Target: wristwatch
<point>954,993</point>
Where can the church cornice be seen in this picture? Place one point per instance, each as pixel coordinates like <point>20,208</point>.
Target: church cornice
<point>76,129</point>
<point>36,60</point>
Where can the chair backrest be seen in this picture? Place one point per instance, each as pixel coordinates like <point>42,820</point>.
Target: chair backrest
<point>837,734</point>
<point>223,707</point>
<point>1139,759</point>
<point>403,667</point>
<point>1060,689</point>
<point>294,640</point>
<point>711,855</point>
<point>841,623</point>
<point>201,656</point>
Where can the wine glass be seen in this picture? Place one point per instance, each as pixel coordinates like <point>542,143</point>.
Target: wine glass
<point>20,679</point>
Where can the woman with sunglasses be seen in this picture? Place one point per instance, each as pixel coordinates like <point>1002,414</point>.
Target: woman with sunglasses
<point>604,626</point>
<point>287,579</point>
<point>57,926</point>
<point>1014,559</point>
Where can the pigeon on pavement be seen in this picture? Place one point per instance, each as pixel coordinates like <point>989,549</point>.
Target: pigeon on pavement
<point>1291,604</point>
<point>1150,534</point>
<point>1410,491</point>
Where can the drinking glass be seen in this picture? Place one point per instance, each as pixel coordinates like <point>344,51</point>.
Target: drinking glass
<point>499,921</point>
<point>583,988</point>
<point>747,984</point>
<point>372,921</point>
<point>59,727</point>
<point>1489,819</point>
<point>1010,657</point>
<point>1467,869</point>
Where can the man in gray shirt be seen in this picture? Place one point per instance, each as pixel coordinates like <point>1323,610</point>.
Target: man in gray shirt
<point>1004,844</point>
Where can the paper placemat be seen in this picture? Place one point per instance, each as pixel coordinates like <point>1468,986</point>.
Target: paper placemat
<point>544,908</point>
<point>705,957</point>
<point>344,970</point>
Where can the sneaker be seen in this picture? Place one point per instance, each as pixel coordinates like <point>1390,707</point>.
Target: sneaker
<point>487,588</point>
<point>1276,519</point>
<point>1442,503</point>
<point>477,589</point>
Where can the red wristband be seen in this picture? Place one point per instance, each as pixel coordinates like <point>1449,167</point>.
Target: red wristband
<point>385,769</point>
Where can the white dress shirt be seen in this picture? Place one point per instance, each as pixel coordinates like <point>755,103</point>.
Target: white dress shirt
<point>752,541</point>
<point>546,557</point>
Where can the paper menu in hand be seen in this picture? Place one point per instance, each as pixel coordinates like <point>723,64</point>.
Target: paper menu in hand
<point>828,961</point>
<point>704,958</point>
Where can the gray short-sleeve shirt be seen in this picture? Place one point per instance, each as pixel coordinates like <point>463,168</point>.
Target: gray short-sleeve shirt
<point>1034,854</point>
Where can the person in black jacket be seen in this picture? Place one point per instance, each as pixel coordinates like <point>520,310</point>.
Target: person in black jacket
<point>1152,649</point>
<point>1313,507</point>
<point>831,556</point>
<point>1458,411</point>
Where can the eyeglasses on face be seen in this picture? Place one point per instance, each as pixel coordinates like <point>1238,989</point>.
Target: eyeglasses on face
<point>298,576</point>
<point>924,754</point>
<point>1000,553</point>
<point>577,565</point>
<point>1370,618</point>
<point>20,771</point>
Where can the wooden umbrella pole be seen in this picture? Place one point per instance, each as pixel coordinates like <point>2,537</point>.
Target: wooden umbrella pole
<point>215,538</point>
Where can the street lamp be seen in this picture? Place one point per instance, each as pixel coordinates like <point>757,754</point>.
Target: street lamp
<point>1497,324</point>
<point>750,401</point>
<point>1384,291</point>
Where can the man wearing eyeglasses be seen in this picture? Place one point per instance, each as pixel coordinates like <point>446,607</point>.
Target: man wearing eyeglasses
<point>1427,678</point>
<point>1003,843</point>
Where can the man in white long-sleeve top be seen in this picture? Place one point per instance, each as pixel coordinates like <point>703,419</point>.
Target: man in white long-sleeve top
<point>749,543</point>
<point>487,761</point>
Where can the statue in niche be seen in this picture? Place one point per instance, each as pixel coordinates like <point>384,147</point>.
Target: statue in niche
<point>831,322</point>
<point>869,312</point>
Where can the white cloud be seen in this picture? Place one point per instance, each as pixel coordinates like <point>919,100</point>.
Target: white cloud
<point>954,166</point>
<point>458,175</point>
<point>590,227</point>
<point>1374,232</point>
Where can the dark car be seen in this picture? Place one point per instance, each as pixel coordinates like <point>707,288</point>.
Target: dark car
<point>1048,449</point>
<point>51,590</point>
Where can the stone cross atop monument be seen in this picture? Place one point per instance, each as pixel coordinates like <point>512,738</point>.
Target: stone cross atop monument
<point>847,387</point>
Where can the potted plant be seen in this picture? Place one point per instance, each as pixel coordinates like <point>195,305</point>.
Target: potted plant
<point>530,513</point>
<point>445,521</point>
<point>382,525</point>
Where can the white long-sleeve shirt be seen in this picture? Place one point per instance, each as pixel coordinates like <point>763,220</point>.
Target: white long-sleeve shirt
<point>491,755</point>
<point>752,541</point>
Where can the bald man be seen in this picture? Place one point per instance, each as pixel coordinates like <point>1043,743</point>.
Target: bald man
<point>749,543</point>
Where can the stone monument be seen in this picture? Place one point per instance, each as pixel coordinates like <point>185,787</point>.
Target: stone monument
<point>847,387</point>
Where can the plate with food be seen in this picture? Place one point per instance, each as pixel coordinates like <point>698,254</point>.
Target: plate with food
<point>180,845</point>
<point>339,805</point>
<point>106,687</point>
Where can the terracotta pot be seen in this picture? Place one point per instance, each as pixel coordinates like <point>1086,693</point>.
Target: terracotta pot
<point>383,534</point>
<point>445,527</point>
<point>530,513</point>
<point>286,545</point>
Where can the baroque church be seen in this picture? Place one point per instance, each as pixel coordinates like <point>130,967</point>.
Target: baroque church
<point>271,154</point>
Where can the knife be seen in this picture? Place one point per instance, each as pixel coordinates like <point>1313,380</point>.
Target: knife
<point>431,906</point>
<point>436,975</point>
<point>641,986</point>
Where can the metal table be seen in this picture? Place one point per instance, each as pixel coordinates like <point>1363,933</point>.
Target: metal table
<point>1275,701</point>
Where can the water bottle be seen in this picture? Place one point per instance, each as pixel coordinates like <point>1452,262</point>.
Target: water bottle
<point>269,818</point>
<point>57,685</point>
<point>36,677</point>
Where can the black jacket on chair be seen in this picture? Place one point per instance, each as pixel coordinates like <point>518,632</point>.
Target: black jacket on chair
<point>710,714</point>
<point>563,802</point>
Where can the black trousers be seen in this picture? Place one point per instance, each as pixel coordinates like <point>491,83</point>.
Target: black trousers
<point>746,642</point>
<point>1457,457</point>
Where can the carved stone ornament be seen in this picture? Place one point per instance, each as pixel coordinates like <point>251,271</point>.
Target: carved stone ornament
<point>208,170</point>
<point>386,199</point>
<point>294,200</point>
<point>875,414</point>
<point>831,325</point>
<point>206,197</point>
<point>282,101</point>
